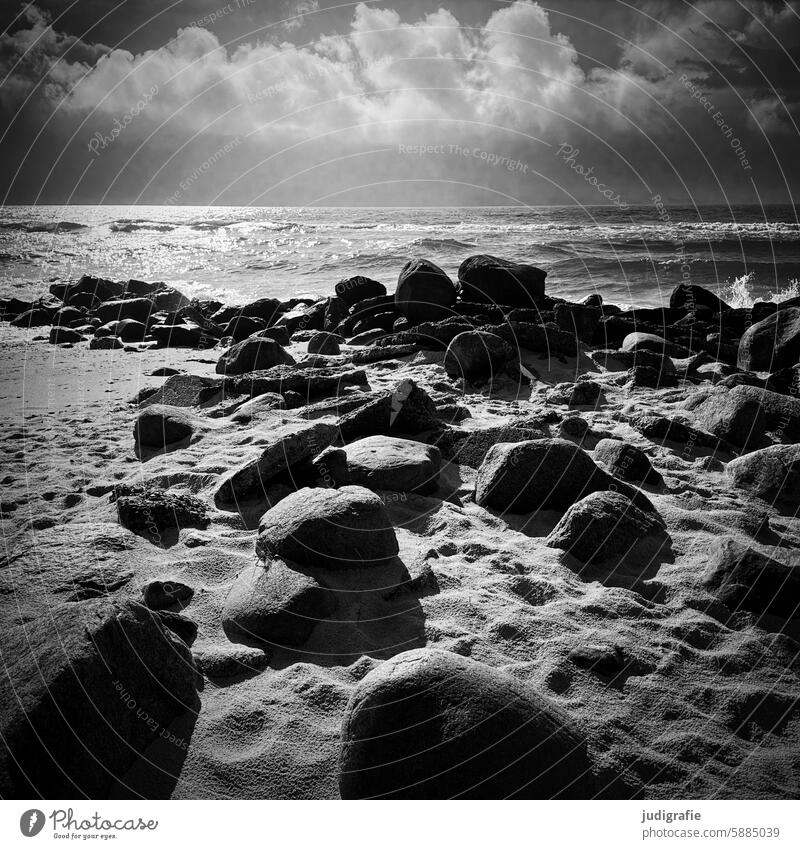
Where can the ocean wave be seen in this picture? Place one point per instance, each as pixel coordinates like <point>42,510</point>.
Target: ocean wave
<point>128,226</point>
<point>438,244</point>
<point>43,226</point>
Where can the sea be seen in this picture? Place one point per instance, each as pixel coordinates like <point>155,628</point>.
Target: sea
<point>632,257</point>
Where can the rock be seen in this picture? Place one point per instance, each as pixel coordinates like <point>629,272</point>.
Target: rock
<point>352,290</point>
<point>129,330</point>
<point>430,724</point>
<point>105,343</point>
<point>181,336</point>
<point>260,407</point>
<point>274,605</point>
<point>579,319</point>
<point>650,342</point>
<point>242,326</point>
<point>429,335</point>
<point>733,415</point>
<point>159,425</point>
<point>584,393</point>
<point>550,474</point>
<point>385,462</point>
<point>68,316</point>
<point>308,382</point>
<point>424,292</point>
<point>407,410</point>
<point>547,338</point>
<point>59,335</point>
<point>626,461</point>
<point>689,297</point>
<point>771,344</point>
<point>277,334</point>
<point>230,661</point>
<point>469,447</point>
<point>185,390</point>
<point>476,356</point>
<point>328,528</point>
<point>603,526</point>
<point>623,360</point>
<point>574,427</point>
<point>12,307</point>
<point>608,661</point>
<point>659,428</point>
<point>376,353</point>
<point>488,279</point>
<point>36,317</point>
<point>772,474</point>
<point>149,510</point>
<point>139,309</point>
<point>745,579</point>
<point>646,377</point>
<point>253,355</point>
<point>781,413</point>
<point>324,343</point>
<point>286,446</point>
<point>76,727</point>
<point>159,595</point>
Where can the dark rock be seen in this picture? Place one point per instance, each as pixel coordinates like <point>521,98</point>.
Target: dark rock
<point>306,382</point>
<point>158,595</point>
<point>12,307</point>
<point>772,474</point>
<point>689,296</point>
<point>771,344</point>
<point>626,461</point>
<point>105,343</point>
<point>408,409</point>
<point>333,528</point>
<point>150,510</point>
<point>584,393</point>
<point>181,336</point>
<point>68,317</point>
<point>579,319</point>
<point>469,447</point>
<point>650,342</point>
<point>286,446</point>
<point>185,390</point>
<point>660,428</point>
<point>424,292</point>
<point>242,326</point>
<point>547,338</point>
<point>352,290</point>
<point>139,309</point>
<point>253,355</point>
<point>182,626</point>
<point>604,526</point>
<point>429,335</point>
<point>335,313</point>
<point>324,343</point>
<point>488,279</point>
<point>129,330</point>
<point>575,428</point>
<point>385,462</point>
<point>745,579</point>
<point>430,724</point>
<point>277,334</point>
<point>260,407</point>
<point>159,425</point>
<point>624,360</point>
<point>733,415</point>
<point>275,605</point>
<point>477,356</point>
<point>75,727</point>
<point>646,377</point>
<point>608,661</point>
<point>376,353</point>
<point>36,317</point>
<point>541,474</point>
<point>59,335</point>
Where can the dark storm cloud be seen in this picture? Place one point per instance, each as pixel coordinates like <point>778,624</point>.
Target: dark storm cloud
<point>370,103</point>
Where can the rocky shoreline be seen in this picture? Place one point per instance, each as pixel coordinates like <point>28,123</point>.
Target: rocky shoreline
<point>563,535</point>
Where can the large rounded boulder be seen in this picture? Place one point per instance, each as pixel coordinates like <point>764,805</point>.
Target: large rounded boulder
<point>424,292</point>
<point>160,425</point>
<point>491,280</point>
<point>253,354</point>
<point>328,528</point>
<point>550,474</point>
<point>772,474</point>
<point>401,465</point>
<point>353,290</point>
<point>626,461</point>
<point>477,355</point>
<point>771,344</point>
<point>430,724</point>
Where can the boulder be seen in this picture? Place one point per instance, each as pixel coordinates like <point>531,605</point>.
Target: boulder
<point>469,447</point>
<point>385,462</point>
<point>324,343</point>
<point>550,474</point>
<point>476,356</point>
<point>584,393</point>
<point>181,336</point>
<point>59,335</point>
<point>129,330</point>
<point>650,342</point>
<point>253,355</point>
<point>733,415</point>
<point>159,425</point>
<point>489,279</point>
<point>743,578</point>
<point>284,447</point>
<point>139,309</point>
<point>547,338</point>
<point>580,319</point>
<point>575,428</point>
<point>430,724</point>
<point>185,390</point>
<point>328,528</point>
<point>76,727</point>
<point>690,297</point>
<point>275,605</point>
<point>771,344</point>
<point>424,292</point>
<point>242,326</point>
<point>406,410</point>
<point>604,526</point>
<point>36,317</point>
<point>150,510</point>
<point>626,461</point>
<point>260,407</point>
<point>158,595</point>
<point>772,474</point>
<point>68,316</point>
<point>105,343</point>
<point>306,382</point>
<point>353,290</point>
<point>94,288</point>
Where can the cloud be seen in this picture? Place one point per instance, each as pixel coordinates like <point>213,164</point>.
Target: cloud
<point>511,86</point>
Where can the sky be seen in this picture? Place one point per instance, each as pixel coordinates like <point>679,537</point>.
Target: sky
<point>403,102</point>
